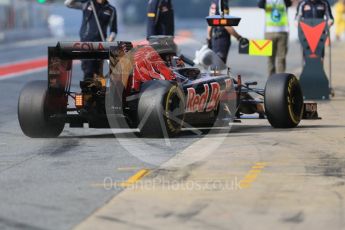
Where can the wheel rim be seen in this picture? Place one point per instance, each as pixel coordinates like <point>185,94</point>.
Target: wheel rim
<point>295,100</point>
<point>174,110</point>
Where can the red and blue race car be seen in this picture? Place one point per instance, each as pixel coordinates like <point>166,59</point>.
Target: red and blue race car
<point>151,88</point>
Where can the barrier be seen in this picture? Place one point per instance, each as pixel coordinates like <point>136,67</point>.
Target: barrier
<point>313,34</point>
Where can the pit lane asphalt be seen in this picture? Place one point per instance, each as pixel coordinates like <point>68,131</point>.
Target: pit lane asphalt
<point>47,183</point>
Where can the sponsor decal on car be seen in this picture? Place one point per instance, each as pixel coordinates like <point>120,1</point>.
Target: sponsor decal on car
<point>197,102</point>
<point>206,101</point>
<point>228,84</point>
<point>89,46</point>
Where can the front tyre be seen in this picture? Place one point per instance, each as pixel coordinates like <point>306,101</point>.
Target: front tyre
<point>35,108</point>
<point>160,109</point>
<point>283,101</point>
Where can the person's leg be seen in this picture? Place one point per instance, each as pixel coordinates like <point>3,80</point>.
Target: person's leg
<point>342,30</point>
<point>338,30</point>
<point>282,49</point>
<point>272,59</point>
<point>87,68</point>
<point>99,66</point>
<point>90,68</point>
<point>223,54</point>
<point>221,47</point>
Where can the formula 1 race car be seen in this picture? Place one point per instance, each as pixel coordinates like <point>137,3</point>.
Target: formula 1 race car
<point>150,88</point>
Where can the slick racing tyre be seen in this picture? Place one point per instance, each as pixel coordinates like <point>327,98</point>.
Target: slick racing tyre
<point>283,101</point>
<point>161,109</point>
<point>35,108</point>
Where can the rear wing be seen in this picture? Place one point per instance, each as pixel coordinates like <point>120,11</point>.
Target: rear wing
<point>61,56</point>
<point>88,50</point>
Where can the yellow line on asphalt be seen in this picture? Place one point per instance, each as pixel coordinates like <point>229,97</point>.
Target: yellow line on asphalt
<point>244,185</point>
<point>251,177</point>
<point>255,171</point>
<point>132,180</point>
<point>252,174</point>
<point>258,167</point>
<point>136,177</point>
<point>261,163</point>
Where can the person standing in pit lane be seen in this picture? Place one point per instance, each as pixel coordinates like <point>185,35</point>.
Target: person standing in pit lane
<point>319,9</point>
<point>89,31</point>
<point>339,19</point>
<point>160,15</point>
<point>276,30</point>
<point>219,37</point>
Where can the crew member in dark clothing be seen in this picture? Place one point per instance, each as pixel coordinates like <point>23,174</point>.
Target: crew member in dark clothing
<point>320,9</point>
<point>160,15</point>
<point>219,37</point>
<point>89,31</point>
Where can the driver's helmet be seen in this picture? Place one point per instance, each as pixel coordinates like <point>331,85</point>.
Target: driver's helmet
<point>177,62</point>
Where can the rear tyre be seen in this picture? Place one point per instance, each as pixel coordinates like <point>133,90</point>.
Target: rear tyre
<point>35,108</point>
<point>160,109</point>
<point>283,101</point>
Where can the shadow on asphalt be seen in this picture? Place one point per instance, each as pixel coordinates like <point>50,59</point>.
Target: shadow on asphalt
<point>209,132</point>
<point>268,129</point>
<point>97,136</point>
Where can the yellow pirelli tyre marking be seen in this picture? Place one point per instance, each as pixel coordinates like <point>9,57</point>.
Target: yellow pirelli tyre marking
<point>171,120</point>
<point>296,118</point>
<point>260,48</point>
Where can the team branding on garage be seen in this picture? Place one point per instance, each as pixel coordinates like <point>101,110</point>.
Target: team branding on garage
<point>208,100</point>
